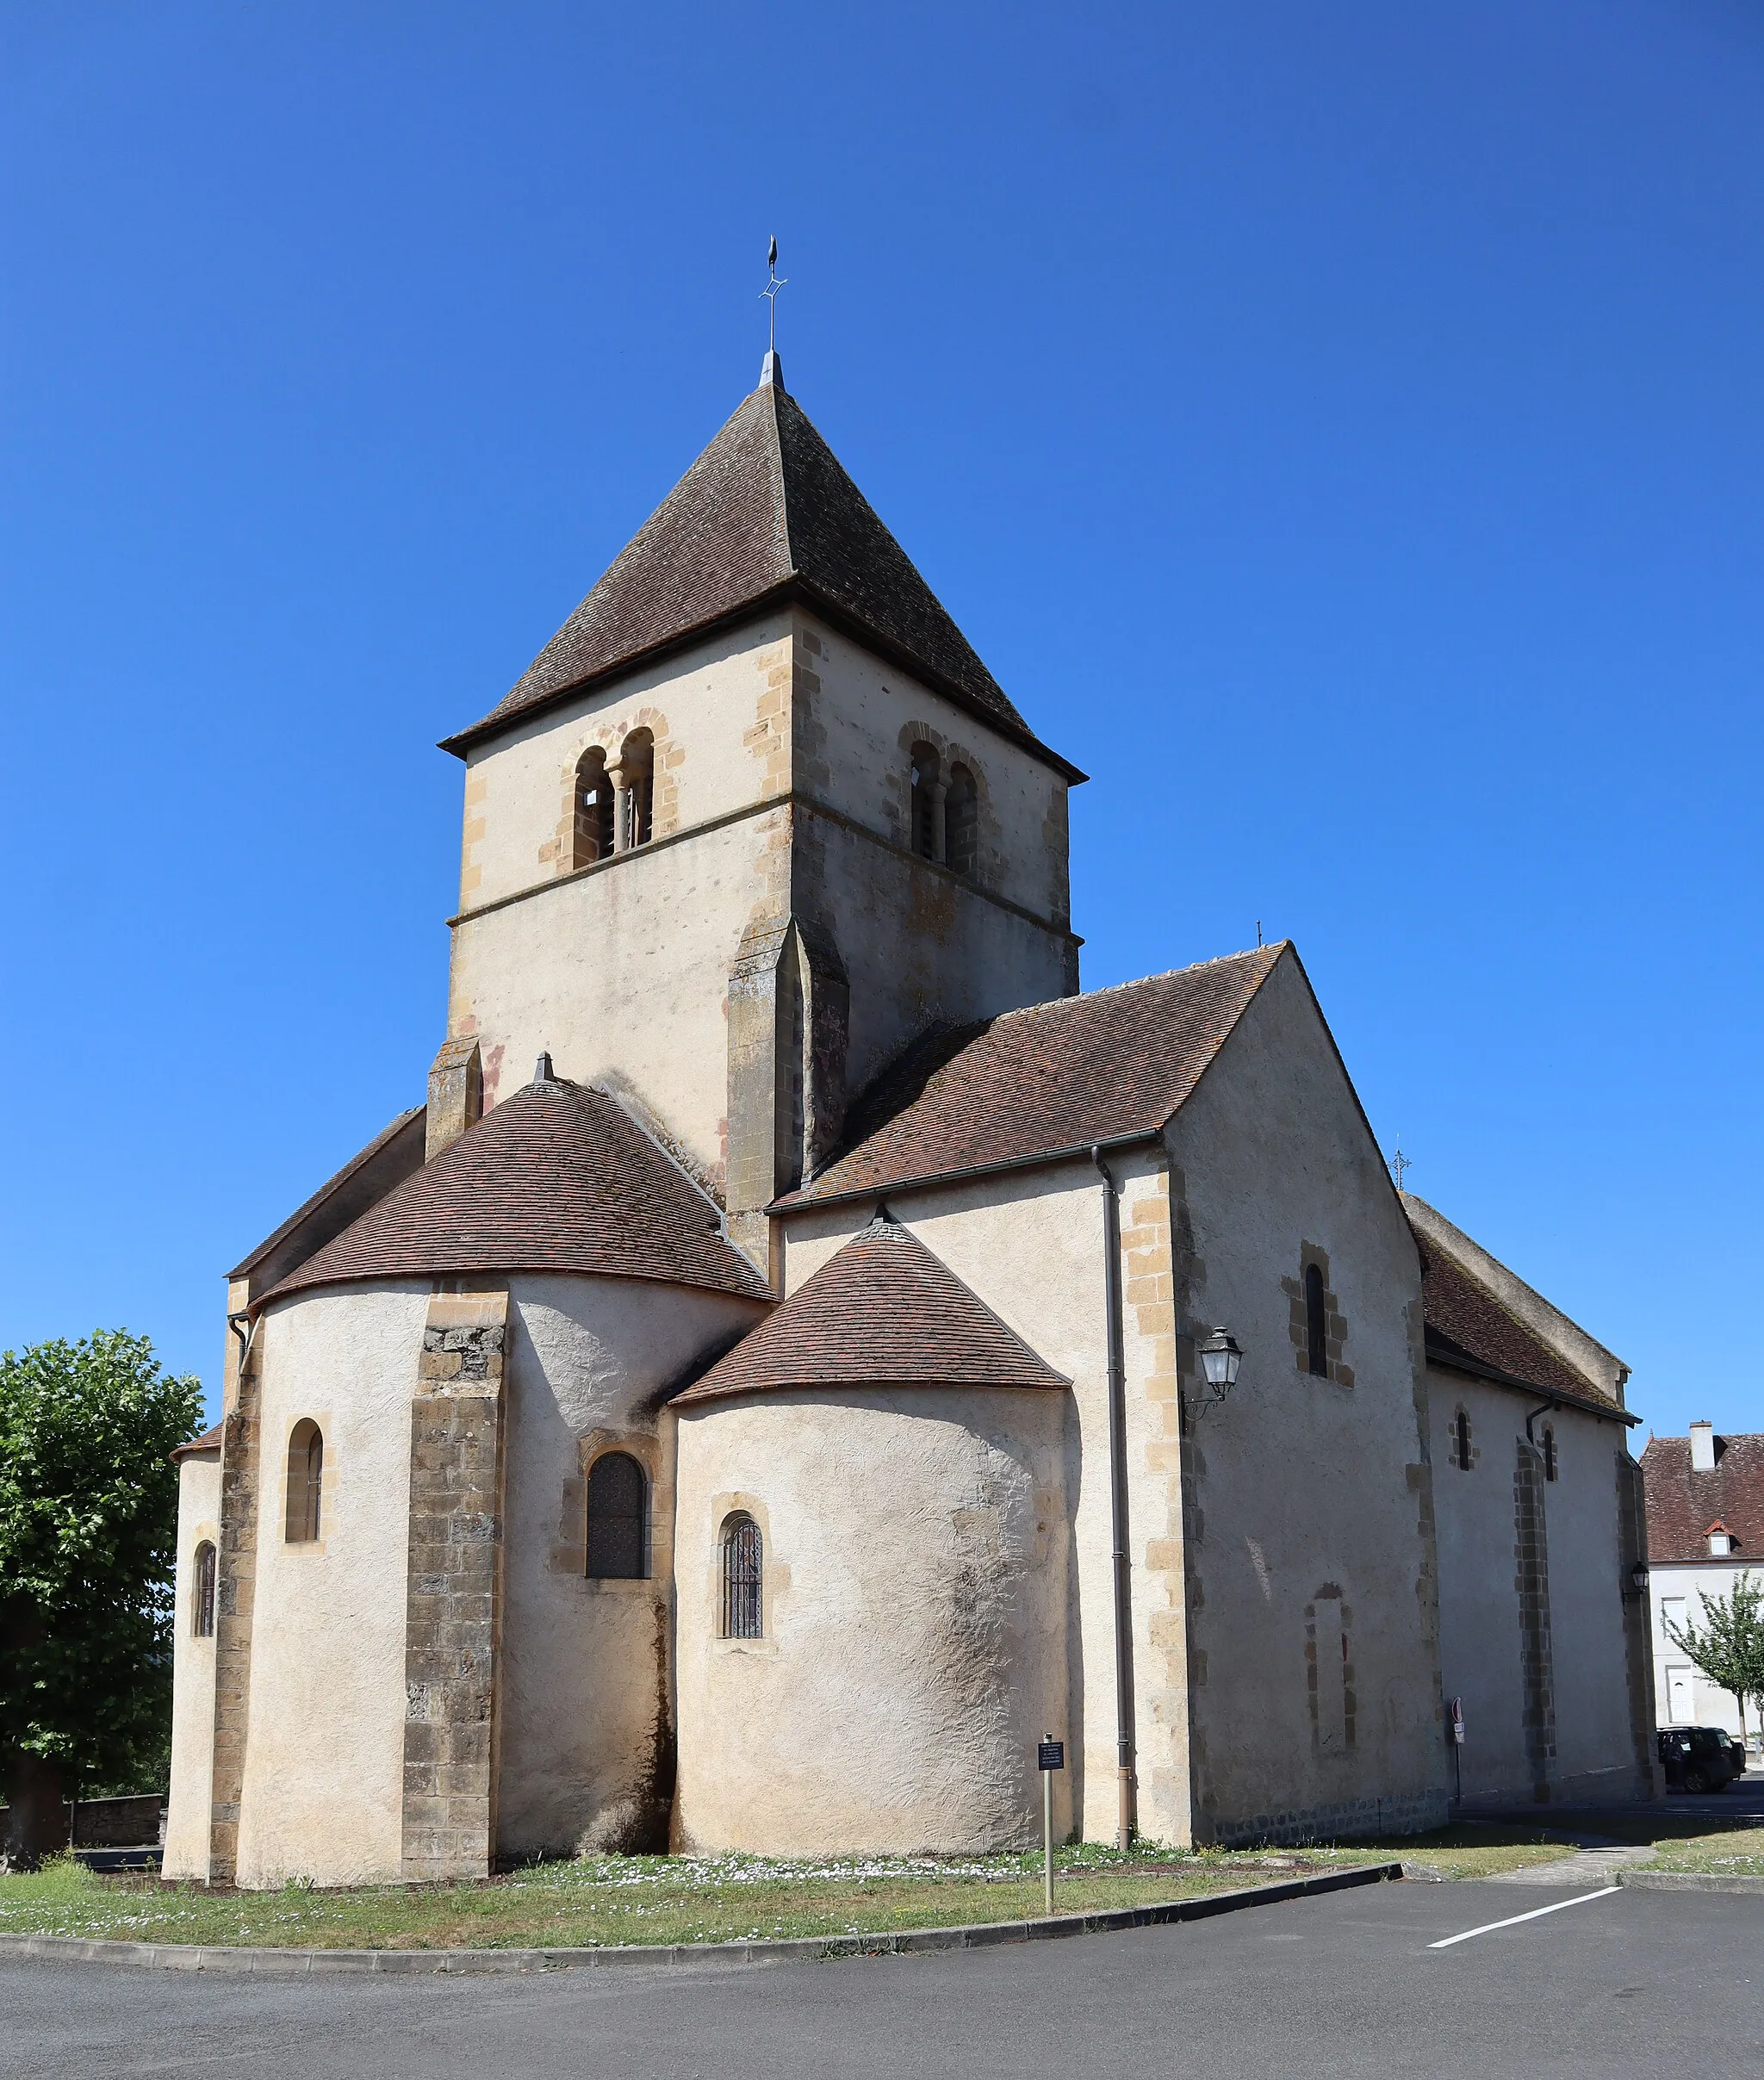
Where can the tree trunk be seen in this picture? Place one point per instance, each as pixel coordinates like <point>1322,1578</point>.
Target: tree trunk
<point>36,1818</point>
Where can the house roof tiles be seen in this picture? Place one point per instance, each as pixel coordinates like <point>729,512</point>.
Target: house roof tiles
<point>558,1177</point>
<point>1682,1504</point>
<point>764,514</point>
<point>1051,1079</point>
<point>881,1311</point>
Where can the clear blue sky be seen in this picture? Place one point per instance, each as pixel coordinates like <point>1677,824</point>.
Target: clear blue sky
<point>1340,428</point>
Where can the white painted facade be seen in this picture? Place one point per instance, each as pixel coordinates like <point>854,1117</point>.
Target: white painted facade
<point>1685,1697</point>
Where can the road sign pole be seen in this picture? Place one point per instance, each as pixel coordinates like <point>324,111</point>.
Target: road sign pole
<point>1049,1757</point>
<point>1048,1838</point>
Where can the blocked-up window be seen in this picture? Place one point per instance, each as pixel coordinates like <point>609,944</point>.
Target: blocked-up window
<point>306,1482</point>
<point>1329,1671</point>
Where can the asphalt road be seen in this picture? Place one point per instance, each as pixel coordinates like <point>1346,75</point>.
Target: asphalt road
<point>1635,1983</point>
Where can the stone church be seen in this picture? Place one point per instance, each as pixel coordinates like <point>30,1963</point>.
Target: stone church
<point>805,1348</point>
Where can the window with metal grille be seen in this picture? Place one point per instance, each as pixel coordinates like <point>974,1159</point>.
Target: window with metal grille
<point>202,1602</point>
<point>1316,1323</point>
<point>744,1600</point>
<point>306,1480</point>
<point>617,1546</point>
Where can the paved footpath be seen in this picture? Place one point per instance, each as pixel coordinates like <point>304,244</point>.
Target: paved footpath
<point>1631,1983</point>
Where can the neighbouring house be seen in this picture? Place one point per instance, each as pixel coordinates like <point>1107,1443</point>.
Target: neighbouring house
<point>757,1424</point>
<point>1705,1529</point>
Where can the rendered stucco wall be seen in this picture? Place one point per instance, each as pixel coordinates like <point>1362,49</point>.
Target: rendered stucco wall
<point>1584,1748</point>
<point>192,1677</point>
<point>915,1605</point>
<point>1311,1583</point>
<point>323,1788</point>
<point>1030,1244</point>
<point>587,1720</point>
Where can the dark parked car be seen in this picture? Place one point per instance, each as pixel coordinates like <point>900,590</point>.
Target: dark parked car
<point>1700,1758</point>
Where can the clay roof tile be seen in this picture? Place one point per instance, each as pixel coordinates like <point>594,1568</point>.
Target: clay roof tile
<point>558,1177</point>
<point>883,1311</point>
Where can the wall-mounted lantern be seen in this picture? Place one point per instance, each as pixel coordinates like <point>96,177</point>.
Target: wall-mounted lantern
<point>1220,1359</point>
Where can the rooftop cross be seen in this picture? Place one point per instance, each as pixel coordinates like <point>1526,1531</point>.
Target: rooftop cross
<point>1398,1163</point>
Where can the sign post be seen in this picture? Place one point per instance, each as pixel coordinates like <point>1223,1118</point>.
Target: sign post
<point>1457,1746</point>
<point>1049,1757</point>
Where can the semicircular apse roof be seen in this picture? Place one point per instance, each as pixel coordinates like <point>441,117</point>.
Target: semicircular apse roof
<point>558,1177</point>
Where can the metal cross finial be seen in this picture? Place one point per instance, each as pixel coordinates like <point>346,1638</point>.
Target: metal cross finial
<point>1398,1163</point>
<point>770,293</point>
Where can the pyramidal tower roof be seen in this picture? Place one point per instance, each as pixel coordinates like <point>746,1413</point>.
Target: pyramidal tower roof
<point>764,515</point>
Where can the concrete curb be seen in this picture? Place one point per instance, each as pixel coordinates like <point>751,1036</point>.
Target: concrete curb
<point>1691,1881</point>
<point>983,1935</point>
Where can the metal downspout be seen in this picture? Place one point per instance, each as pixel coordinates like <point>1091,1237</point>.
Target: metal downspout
<point>1117,1498</point>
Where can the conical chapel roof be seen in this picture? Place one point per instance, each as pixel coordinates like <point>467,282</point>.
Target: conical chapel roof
<point>883,1311</point>
<point>765,514</point>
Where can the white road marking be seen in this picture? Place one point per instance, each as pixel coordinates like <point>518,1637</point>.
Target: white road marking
<point>1513,1920</point>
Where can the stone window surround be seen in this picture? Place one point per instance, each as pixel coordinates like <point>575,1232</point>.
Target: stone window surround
<point>612,734</point>
<point>775,1574</point>
<point>951,752</point>
<point>1335,1322</point>
<point>1461,1414</point>
<point>570,1551</point>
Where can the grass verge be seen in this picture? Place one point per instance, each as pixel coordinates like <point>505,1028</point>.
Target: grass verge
<point>603,1901</point>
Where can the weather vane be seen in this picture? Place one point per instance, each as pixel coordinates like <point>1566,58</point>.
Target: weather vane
<point>770,293</point>
<point>1398,1163</point>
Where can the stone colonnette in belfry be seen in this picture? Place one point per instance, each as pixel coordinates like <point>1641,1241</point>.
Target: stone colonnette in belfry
<point>758,1394</point>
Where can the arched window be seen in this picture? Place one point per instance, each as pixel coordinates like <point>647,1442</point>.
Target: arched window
<point>1461,1442</point>
<point>744,1596</point>
<point>306,1480</point>
<point>927,803</point>
<point>961,822</point>
<point>1316,1323</point>
<point>618,1544</point>
<point>1548,1452</point>
<point>593,808</point>
<point>636,780</point>
<point>202,1597</point>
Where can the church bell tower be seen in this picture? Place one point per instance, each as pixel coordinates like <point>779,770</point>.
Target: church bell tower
<point>754,817</point>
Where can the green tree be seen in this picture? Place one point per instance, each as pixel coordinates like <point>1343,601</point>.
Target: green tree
<point>1730,1648</point>
<point>87,1529</point>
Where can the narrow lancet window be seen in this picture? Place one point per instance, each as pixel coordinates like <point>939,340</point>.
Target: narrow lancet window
<point>201,1597</point>
<point>1316,1324</point>
<point>1548,1452</point>
<point>743,1597</point>
<point>617,1541</point>
<point>305,1481</point>
<point>1461,1442</point>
